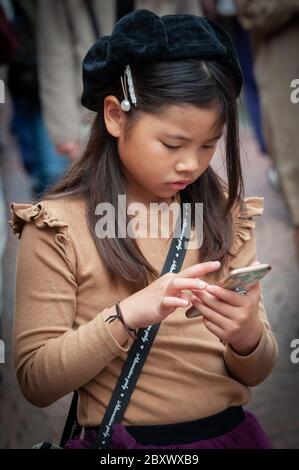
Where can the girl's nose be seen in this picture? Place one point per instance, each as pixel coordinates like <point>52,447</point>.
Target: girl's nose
<point>189,164</point>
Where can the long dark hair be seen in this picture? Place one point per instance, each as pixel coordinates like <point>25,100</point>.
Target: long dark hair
<point>98,176</point>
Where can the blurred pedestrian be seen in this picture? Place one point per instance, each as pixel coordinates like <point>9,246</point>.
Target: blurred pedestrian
<point>39,158</point>
<point>274,26</point>
<point>224,13</point>
<point>8,46</point>
<point>66,30</point>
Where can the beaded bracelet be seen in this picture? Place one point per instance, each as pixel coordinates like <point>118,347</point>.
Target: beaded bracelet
<point>132,332</point>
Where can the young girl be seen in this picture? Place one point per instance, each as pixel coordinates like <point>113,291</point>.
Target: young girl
<point>164,90</point>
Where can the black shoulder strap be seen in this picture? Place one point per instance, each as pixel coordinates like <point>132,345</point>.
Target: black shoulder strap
<point>139,350</point>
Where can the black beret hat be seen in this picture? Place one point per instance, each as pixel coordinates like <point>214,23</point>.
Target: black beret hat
<point>141,36</point>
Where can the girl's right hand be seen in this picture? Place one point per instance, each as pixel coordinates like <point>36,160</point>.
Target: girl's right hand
<point>162,297</point>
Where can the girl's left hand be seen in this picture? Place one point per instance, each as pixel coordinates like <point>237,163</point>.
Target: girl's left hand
<point>231,316</point>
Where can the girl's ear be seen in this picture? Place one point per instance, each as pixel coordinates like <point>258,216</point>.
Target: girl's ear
<point>113,116</point>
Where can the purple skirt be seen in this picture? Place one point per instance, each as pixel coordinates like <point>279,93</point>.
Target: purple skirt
<point>246,435</point>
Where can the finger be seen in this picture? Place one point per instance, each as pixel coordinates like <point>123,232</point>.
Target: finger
<point>216,318</point>
<point>216,304</point>
<point>177,284</point>
<point>200,269</point>
<point>194,300</point>
<point>173,302</point>
<point>214,329</point>
<point>225,295</point>
<point>185,297</point>
<point>255,263</point>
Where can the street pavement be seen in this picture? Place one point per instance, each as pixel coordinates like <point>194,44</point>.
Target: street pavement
<point>275,401</point>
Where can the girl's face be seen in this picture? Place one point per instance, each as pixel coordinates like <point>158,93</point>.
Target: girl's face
<point>176,145</point>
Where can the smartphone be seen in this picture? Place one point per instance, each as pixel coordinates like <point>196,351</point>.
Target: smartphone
<point>239,280</point>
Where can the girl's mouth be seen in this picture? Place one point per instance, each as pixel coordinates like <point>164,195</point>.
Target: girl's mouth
<point>179,184</point>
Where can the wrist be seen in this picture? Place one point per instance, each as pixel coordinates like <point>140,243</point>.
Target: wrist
<point>131,331</point>
<point>249,342</point>
<point>127,310</point>
<point>115,327</point>
<point>121,323</point>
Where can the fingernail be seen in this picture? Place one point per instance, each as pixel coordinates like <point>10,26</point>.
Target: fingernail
<point>216,263</point>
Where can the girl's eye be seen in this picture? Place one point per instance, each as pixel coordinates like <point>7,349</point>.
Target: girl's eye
<point>171,146</point>
<point>209,146</point>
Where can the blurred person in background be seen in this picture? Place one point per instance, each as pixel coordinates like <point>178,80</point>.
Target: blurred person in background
<point>39,158</point>
<point>224,13</point>
<point>66,30</point>
<point>8,38</point>
<point>274,26</point>
<point>9,44</point>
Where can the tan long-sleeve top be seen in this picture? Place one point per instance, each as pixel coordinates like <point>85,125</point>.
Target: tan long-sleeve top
<point>61,342</point>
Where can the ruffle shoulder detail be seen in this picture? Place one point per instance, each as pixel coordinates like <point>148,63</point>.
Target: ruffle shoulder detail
<point>243,223</point>
<point>44,217</point>
<point>37,213</point>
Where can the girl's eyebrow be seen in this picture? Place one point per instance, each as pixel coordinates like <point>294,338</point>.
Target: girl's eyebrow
<point>178,136</point>
<point>182,137</point>
<point>218,136</point>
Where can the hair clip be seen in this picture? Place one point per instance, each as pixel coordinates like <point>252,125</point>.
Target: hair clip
<point>125,104</point>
